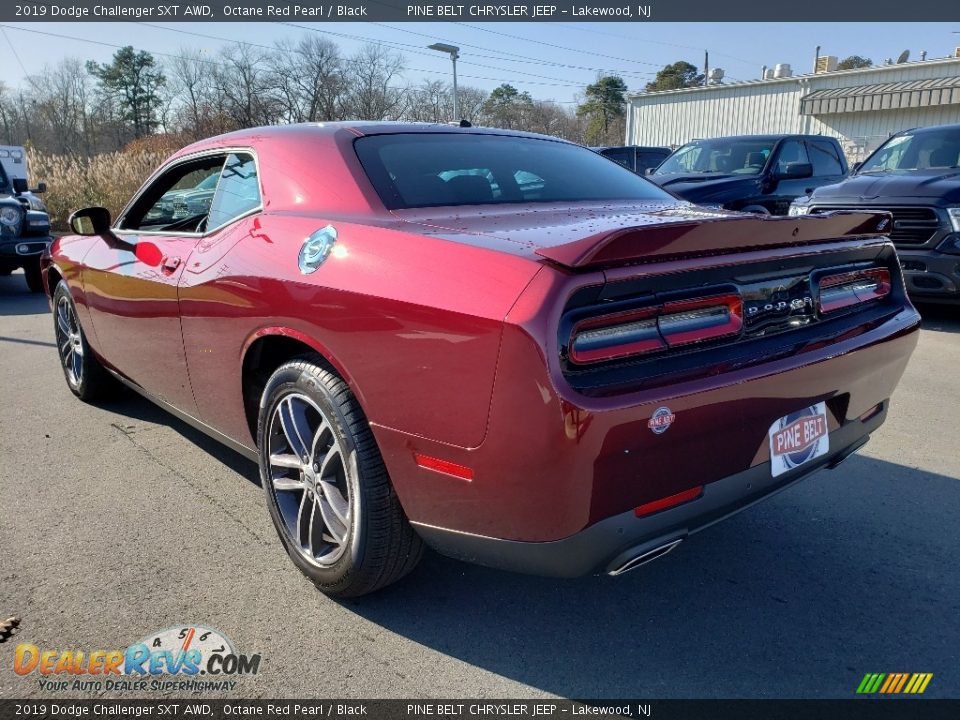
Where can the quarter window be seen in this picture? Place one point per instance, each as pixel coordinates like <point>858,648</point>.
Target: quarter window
<point>238,191</point>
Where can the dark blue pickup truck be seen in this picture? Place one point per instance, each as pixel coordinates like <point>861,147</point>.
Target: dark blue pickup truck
<point>24,227</point>
<point>914,175</point>
<point>753,173</point>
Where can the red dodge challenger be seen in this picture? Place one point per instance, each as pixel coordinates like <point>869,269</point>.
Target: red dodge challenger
<point>501,345</point>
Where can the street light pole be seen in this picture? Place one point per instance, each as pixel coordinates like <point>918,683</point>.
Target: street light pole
<point>454,52</point>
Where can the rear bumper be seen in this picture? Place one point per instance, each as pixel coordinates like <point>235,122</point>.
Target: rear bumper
<point>617,542</point>
<point>930,274</point>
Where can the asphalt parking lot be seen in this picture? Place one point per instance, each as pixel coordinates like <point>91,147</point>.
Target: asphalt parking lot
<point>119,520</point>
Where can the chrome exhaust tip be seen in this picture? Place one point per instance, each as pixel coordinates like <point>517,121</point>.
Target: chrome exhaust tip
<point>644,558</point>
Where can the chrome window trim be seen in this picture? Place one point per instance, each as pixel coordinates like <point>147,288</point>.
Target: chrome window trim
<point>182,160</point>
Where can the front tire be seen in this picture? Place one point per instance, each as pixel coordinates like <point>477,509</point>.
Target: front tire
<point>85,376</point>
<point>327,489</point>
<point>34,277</point>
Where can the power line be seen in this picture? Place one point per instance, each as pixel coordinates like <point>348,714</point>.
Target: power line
<point>657,42</point>
<point>507,56</point>
<point>557,81</point>
<point>215,63</point>
<point>557,47</point>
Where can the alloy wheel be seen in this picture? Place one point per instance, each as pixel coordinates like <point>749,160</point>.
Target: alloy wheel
<point>69,341</point>
<point>309,476</point>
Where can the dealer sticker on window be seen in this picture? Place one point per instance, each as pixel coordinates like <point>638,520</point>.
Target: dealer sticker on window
<point>798,438</point>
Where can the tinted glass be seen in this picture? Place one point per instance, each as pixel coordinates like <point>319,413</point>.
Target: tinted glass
<point>823,156</point>
<point>422,170</point>
<point>649,159</point>
<point>791,152</point>
<point>238,191</point>
<point>624,156</point>
<point>929,149</point>
<point>730,157</point>
<point>177,200</point>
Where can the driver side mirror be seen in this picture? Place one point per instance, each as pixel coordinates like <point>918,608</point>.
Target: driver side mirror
<point>795,171</point>
<point>649,171</point>
<point>20,187</point>
<point>91,221</point>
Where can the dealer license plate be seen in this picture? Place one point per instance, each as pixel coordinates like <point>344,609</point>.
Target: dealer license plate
<point>798,438</point>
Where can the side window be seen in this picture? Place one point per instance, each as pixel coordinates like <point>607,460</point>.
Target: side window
<point>177,200</point>
<point>824,158</point>
<point>647,160</point>
<point>624,156</point>
<point>791,151</point>
<point>238,191</point>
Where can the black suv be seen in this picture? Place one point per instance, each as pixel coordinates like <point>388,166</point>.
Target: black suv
<point>639,158</point>
<point>915,175</point>
<point>24,229</point>
<point>753,173</point>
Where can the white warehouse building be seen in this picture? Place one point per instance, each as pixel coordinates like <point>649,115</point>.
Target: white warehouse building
<point>859,107</point>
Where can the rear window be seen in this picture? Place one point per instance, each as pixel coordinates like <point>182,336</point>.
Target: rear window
<point>423,170</point>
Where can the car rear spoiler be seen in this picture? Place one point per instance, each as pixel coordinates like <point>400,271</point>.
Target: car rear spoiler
<point>715,235</point>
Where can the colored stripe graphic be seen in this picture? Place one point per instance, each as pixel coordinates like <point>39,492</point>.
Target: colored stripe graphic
<point>894,683</point>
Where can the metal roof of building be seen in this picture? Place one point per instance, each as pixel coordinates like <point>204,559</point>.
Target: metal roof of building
<point>883,96</point>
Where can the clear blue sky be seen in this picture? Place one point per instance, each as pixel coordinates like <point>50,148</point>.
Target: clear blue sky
<point>633,50</point>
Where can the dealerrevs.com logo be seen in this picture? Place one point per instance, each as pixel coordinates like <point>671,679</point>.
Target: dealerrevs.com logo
<point>191,658</point>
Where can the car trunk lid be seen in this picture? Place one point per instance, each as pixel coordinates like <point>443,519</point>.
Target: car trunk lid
<point>590,236</point>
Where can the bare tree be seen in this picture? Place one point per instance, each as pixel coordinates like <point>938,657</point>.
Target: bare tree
<point>307,79</point>
<point>7,118</point>
<point>374,71</point>
<point>242,83</point>
<point>191,83</point>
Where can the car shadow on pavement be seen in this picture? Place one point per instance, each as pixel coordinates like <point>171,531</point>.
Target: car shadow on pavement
<point>129,404</point>
<point>18,300</point>
<point>797,597</point>
<point>940,317</point>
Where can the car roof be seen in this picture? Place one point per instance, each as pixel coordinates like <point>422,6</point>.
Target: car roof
<point>599,148</point>
<point>766,136</point>
<point>359,128</point>
<point>931,129</point>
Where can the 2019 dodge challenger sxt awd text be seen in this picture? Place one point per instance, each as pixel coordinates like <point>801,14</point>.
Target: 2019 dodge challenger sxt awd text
<point>501,345</point>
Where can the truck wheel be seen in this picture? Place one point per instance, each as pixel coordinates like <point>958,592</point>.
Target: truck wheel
<point>85,376</point>
<point>34,277</point>
<point>327,489</point>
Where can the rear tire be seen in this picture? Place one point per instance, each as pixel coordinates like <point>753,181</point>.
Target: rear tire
<point>86,377</point>
<point>327,489</point>
<point>34,276</point>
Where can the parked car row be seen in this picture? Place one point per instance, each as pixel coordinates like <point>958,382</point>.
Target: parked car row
<point>914,175</point>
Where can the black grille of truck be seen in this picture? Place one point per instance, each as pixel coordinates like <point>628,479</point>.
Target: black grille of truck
<point>911,225</point>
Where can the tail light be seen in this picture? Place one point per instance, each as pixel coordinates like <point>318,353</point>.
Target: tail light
<point>647,330</point>
<point>847,289</point>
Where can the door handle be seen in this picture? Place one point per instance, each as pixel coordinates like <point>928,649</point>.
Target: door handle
<point>170,264</point>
